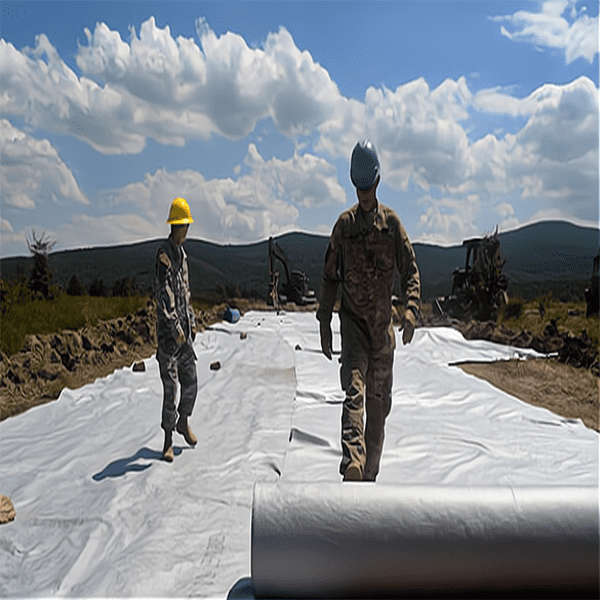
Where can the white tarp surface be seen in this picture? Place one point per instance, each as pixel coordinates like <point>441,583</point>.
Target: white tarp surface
<point>99,514</point>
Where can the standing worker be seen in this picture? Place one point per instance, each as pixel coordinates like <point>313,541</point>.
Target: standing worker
<point>176,329</point>
<point>368,243</point>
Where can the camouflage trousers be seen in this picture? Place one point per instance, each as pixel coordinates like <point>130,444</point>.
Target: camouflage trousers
<point>179,366</point>
<point>366,377</point>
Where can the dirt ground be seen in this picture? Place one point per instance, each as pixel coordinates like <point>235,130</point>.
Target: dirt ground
<point>563,389</point>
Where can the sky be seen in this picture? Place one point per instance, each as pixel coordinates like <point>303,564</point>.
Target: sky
<point>484,114</point>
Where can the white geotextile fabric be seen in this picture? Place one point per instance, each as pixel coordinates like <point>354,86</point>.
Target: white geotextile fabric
<point>99,514</point>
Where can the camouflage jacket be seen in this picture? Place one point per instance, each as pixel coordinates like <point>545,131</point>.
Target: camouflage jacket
<point>364,252</point>
<point>174,312</point>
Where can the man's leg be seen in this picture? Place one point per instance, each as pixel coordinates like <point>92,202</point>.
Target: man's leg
<point>378,405</point>
<point>186,368</point>
<point>353,377</point>
<point>168,375</point>
<point>353,446</point>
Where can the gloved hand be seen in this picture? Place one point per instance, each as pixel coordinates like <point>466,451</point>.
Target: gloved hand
<point>410,322</point>
<point>180,338</point>
<point>326,338</point>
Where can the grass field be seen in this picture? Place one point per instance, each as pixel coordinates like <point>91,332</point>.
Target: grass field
<point>519,315</point>
<point>63,313</point>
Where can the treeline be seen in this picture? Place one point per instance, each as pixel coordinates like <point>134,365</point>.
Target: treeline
<point>24,289</point>
<point>122,287</point>
<point>39,284</point>
<point>35,305</point>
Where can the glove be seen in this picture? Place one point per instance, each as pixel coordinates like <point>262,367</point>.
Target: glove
<point>410,323</point>
<point>180,338</point>
<point>326,338</point>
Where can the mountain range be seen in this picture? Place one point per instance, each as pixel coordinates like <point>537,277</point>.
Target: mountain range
<point>547,256</point>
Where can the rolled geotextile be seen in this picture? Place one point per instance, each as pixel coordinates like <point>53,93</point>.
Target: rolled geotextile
<point>370,540</point>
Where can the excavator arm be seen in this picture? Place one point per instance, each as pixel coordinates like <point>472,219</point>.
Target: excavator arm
<point>296,283</point>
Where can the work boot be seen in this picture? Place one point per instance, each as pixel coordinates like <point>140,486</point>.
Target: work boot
<point>168,454</point>
<point>184,429</point>
<point>353,473</point>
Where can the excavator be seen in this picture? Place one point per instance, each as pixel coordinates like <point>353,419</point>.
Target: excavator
<point>479,289</point>
<point>294,289</point>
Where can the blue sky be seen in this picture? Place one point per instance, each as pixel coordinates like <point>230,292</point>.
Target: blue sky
<point>483,113</point>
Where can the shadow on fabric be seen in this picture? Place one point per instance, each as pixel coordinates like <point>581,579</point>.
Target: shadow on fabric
<point>119,467</point>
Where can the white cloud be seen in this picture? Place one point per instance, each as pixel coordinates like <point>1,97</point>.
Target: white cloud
<point>224,210</point>
<point>256,205</point>
<point>48,95</point>
<point>506,212</point>
<point>551,162</point>
<point>168,89</point>
<point>550,29</point>
<point>303,180</point>
<point>415,130</point>
<point>173,89</point>
<point>448,220</point>
<point>11,241</point>
<point>420,137</point>
<point>554,157</point>
<point>32,171</point>
<point>88,231</point>
<point>564,121</point>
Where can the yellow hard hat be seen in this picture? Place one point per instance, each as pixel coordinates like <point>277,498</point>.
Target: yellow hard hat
<point>180,213</point>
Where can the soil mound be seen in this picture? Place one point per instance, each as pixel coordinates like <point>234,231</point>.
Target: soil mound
<point>576,350</point>
<point>48,363</point>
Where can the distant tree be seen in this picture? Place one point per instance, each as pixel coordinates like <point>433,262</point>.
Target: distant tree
<point>98,288</point>
<point>4,296</point>
<point>41,275</point>
<point>75,287</point>
<point>124,287</point>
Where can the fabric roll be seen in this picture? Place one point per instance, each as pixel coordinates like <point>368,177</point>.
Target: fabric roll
<point>365,540</point>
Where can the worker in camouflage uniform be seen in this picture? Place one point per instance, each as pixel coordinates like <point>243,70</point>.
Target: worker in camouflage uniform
<point>176,329</point>
<point>367,245</point>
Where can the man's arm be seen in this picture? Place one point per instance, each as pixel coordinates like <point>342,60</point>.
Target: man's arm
<point>188,296</point>
<point>410,282</point>
<point>329,287</point>
<point>166,298</point>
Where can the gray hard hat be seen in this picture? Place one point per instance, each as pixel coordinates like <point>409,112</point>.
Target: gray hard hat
<point>364,165</point>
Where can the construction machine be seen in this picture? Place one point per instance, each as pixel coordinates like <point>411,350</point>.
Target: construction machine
<point>592,296</point>
<point>296,286</point>
<point>479,289</point>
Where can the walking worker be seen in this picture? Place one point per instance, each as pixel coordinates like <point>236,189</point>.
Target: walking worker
<point>176,329</point>
<point>367,245</point>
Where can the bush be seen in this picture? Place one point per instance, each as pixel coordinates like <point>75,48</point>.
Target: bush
<point>75,287</point>
<point>15,292</point>
<point>513,309</point>
<point>125,287</point>
<point>98,288</point>
<point>64,312</point>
